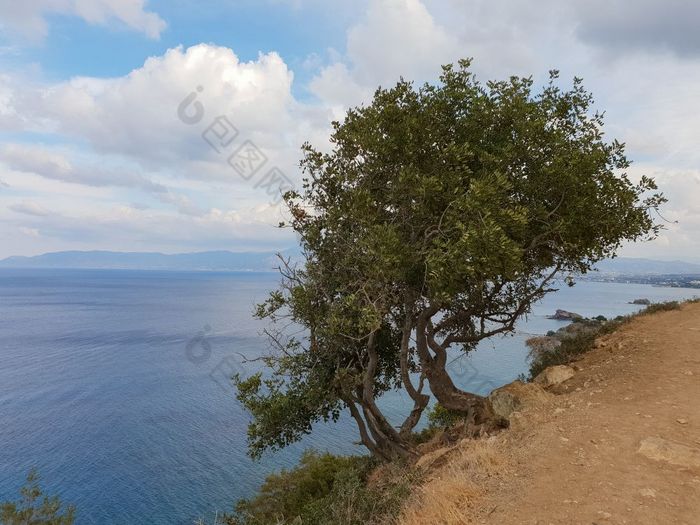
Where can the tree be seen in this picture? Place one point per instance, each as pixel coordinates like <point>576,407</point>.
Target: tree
<point>440,216</point>
<point>34,508</point>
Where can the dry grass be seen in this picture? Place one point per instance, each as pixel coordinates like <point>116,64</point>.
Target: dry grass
<point>450,495</point>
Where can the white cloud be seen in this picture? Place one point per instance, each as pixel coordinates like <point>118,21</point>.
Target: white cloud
<point>137,114</point>
<point>394,38</point>
<point>337,88</point>
<point>130,228</point>
<point>28,18</point>
<point>399,37</point>
<point>680,216</point>
<point>53,165</point>
<point>29,208</point>
<point>30,232</point>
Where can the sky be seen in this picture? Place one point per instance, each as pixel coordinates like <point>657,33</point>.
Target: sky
<point>172,125</point>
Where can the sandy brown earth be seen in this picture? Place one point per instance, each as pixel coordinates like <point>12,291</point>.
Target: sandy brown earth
<point>619,443</point>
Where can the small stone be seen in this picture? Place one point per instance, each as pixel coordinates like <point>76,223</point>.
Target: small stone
<point>564,440</point>
<point>682,421</point>
<point>604,515</point>
<point>688,373</point>
<point>648,493</point>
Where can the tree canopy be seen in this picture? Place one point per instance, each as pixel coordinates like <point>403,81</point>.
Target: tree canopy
<point>440,215</point>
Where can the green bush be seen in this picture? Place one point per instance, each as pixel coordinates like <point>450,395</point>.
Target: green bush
<point>34,508</point>
<point>323,490</point>
<point>570,348</point>
<point>661,307</point>
<point>439,418</point>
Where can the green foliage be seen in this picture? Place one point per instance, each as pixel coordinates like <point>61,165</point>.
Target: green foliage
<point>441,417</point>
<point>34,508</point>
<point>662,307</point>
<point>568,351</point>
<point>324,490</point>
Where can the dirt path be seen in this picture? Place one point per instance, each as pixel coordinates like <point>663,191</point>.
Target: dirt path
<point>620,444</point>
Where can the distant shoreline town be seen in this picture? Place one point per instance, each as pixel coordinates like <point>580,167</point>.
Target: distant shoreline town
<point>666,281</point>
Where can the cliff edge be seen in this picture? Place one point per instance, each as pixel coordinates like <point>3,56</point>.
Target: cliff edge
<point>617,443</point>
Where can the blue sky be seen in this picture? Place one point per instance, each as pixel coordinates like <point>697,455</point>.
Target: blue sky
<point>74,47</point>
<point>93,154</point>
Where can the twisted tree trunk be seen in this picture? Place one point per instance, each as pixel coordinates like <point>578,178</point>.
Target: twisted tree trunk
<point>477,409</point>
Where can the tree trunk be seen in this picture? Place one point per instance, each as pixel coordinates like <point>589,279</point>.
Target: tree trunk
<point>420,400</point>
<point>478,410</point>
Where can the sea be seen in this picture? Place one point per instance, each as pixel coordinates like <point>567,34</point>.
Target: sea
<point>114,386</point>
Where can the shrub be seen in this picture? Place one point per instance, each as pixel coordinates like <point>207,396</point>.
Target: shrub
<point>441,417</point>
<point>570,347</point>
<point>34,508</point>
<point>324,490</point>
<point>661,307</point>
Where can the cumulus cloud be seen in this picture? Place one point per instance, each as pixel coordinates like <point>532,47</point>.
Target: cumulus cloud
<point>28,18</point>
<point>394,38</point>
<point>137,114</point>
<point>399,37</point>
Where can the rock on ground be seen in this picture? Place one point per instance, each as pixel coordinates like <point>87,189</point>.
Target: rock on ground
<point>516,396</point>
<point>554,375</point>
<point>661,449</point>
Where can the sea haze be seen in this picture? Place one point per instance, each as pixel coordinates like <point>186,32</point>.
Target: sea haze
<point>113,384</point>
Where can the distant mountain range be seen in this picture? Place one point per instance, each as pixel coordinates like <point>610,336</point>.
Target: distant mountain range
<point>267,261</point>
<point>200,261</point>
<point>633,266</point>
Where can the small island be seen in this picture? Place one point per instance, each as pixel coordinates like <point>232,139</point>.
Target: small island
<point>563,315</point>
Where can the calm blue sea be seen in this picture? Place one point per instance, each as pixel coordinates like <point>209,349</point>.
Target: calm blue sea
<point>113,384</point>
